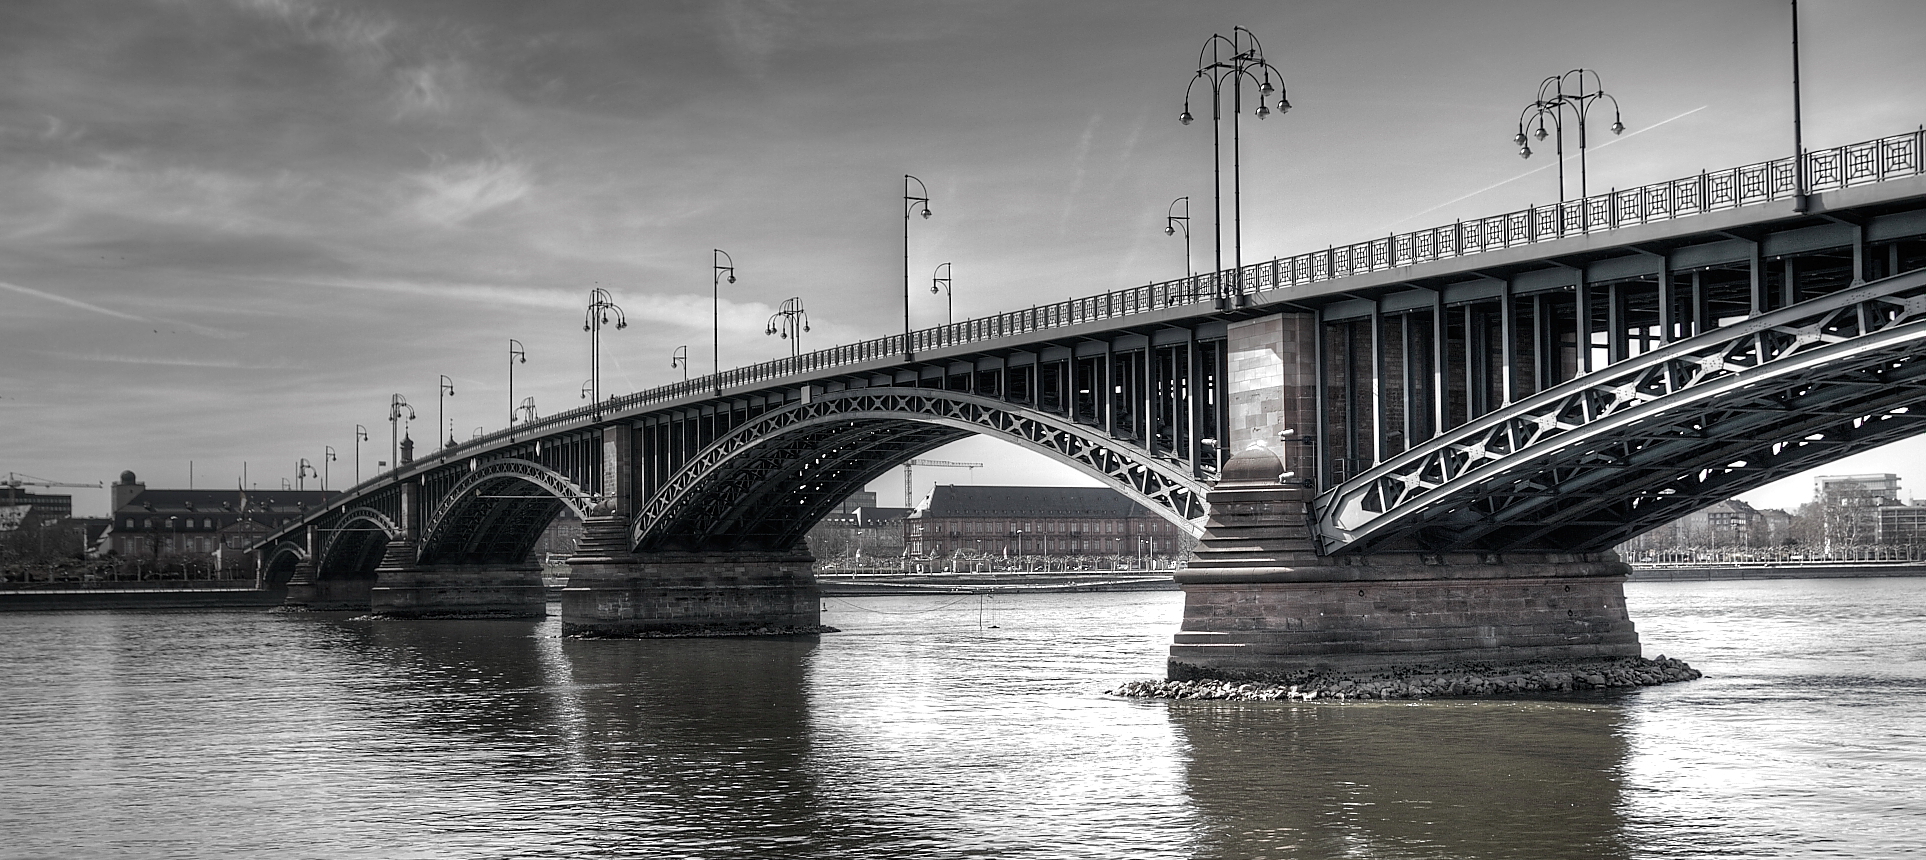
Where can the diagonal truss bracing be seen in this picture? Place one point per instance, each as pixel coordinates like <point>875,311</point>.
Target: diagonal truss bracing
<point>1589,463</point>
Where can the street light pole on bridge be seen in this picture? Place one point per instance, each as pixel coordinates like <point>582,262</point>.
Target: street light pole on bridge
<point>1245,60</point>
<point>910,204</point>
<point>1173,222</point>
<point>445,386</point>
<point>1553,101</point>
<point>327,456</point>
<point>680,358</point>
<point>600,305</point>
<point>940,282</point>
<point>717,270</point>
<point>396,404</point>
<point>360,436</point>
<point>515,351</point>
<point>795,321</point>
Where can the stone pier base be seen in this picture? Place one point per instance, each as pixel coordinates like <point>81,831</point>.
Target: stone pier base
<point>329,594</point>
<point>691,594</point>
<point>459,591</point>
<point>1260,601</point>
<point>1401,610</point>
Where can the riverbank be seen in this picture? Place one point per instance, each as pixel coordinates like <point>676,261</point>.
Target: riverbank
<point>216,594</point>
<point>852,585</point>
<point>1457,680</point>
<point>1803,570</point>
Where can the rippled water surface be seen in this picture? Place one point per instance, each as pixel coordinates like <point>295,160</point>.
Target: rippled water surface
<point>942,726</point>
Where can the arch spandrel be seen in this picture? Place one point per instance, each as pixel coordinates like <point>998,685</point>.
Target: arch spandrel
<point>803,459</point>
<point>497,512</point>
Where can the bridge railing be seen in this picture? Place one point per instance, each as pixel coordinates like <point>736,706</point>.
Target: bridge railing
<point>1709,191</point>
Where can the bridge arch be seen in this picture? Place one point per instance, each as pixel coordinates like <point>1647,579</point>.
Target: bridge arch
<point>497,512</point>
<point>1590,463</point>
<point>353,546</point>
<point>280,561</point>
<point>764,484</point>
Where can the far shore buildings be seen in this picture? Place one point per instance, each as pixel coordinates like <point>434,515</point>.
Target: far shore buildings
<point>991,521</point>
<point>163,527</point>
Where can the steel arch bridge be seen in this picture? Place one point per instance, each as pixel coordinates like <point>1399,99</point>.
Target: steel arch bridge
<point>1552,379</point>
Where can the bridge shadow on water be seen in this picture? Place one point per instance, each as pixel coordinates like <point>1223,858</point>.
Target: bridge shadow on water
<point>1510,779</point>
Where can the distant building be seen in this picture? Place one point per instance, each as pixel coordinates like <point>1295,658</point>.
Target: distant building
<point>1902,524</point>
<point>858,529</point>
<point>54,506</point>
<point>1857,490</point>
<point>1031,521</point>
<point>159,524</point>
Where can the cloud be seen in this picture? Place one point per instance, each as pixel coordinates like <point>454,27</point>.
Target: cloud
<point>71,302</point>
<point>147,360</point>
<point>454,193</point>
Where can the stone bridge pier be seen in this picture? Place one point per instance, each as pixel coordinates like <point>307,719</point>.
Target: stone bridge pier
<point>613,590</point>
<point>404,587</point>
<point>1260,601</point>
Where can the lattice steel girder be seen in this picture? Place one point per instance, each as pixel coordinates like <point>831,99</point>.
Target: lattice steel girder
<point>1851,352</point>
<point>496,512</point>
<point>352,541</point>
<point>711,483</point>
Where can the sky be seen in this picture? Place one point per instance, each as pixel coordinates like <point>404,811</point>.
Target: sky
<point>233,229</point>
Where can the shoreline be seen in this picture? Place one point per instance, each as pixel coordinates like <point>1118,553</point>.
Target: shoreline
<point>1445,681</point>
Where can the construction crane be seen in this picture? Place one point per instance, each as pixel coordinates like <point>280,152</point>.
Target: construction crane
<point>909,469</point>
<point>15,481</point>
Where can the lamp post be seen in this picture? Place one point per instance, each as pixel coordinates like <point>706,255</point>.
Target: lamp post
<point>1019,542</point>
<point>360,436</point>
<point>302,470</point>
<point>716,271</point>
<point>1230,60</point>
<point>588,388</point>
<point>910,204</point>
<point>1553,101</point>
<point>1173,222</point>
<point>601,304</point>
<point>445,386</point>
<point>327,456</point>
<point>515,351</point>
<point>794,321</point>
<point>396,404</point>
<point>680,358</point>
<point>527,409</point>
<point>940,283</point>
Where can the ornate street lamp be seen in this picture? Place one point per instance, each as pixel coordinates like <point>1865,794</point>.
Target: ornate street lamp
<point>327,456</point>
<point>1553,101</point>
<point>940,283</point>
<point>911,203</point>
<point>680,358</point>
<point>1231,60</point>
<point>588,388</point>
<point>527,409</point>
<point>302,470</point>
<point>601,304</point>
<point>445,386</point>
<point>396,404</point>
<point>717,271</point>
<point>515,351</point>
<point>1174,222</point>
<point>360,436</point>
<point>793,322</point>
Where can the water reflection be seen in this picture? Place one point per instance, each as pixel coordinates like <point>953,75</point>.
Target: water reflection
<point>1526,779</point>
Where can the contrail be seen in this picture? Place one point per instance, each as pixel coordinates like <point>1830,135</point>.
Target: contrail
<point>72,302</point>
<point>1547,166</point>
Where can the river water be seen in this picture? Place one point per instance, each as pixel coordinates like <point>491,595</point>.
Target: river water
<point>942,726</point>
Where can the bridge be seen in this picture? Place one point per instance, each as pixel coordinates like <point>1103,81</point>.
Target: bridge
<point>1419,447</point>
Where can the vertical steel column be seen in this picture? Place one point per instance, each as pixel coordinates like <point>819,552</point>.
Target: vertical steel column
<point>1755,267</point>
<point>1437,363</point>
<point>1404,367</point>
<point>1667,319</point>
<point>1322,450</point>
<point>1699,306</point>
<point>1788,284</point>
<point>1583,296</point>
<point>1616,336</point>
<point>1107,394</point>
<point>1474,388</point>
<point>1148,408</point>
<point>1540,333</point>
<point>1507,330</point>
<point>1858,254</point>
<point>1193,397</point>
<point>1377,380</point>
